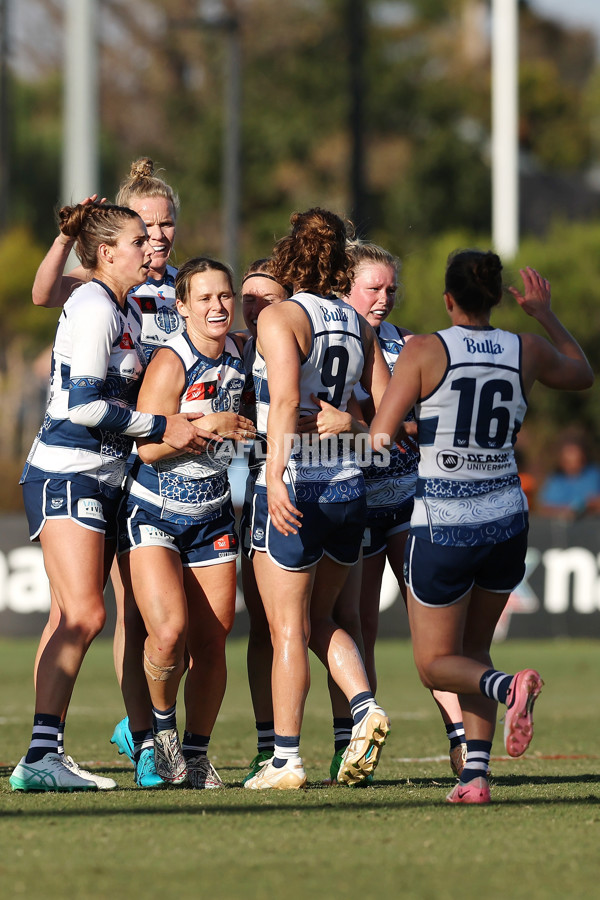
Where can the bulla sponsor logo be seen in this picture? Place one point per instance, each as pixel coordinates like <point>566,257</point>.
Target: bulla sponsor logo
<point>485,346</point>
<point>126,342</point>
<point>334,315</point>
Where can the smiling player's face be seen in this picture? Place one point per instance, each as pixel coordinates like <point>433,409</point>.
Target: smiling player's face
<point>158,215</point>
<point>209,307</point>
<point>257,293</point>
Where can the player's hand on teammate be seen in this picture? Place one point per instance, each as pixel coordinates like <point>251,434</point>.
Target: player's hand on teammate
<point>408,436</point>
<point>182,434</point>
<point>93,198</point>
<point>328,422</point>
<point>228,425</point>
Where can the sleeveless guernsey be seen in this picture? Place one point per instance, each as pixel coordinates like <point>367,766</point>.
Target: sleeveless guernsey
<point>194,485</point>
<point>321,471</point>
<point>468,489</point>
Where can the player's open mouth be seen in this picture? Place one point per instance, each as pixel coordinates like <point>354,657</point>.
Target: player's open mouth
<point>216,320</point>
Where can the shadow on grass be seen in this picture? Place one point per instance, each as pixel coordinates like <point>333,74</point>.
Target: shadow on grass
<point>379,784</point>
<point>284,807</point>
<point>354,800</point>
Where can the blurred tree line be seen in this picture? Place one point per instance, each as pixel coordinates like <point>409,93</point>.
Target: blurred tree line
<point>425,74</point>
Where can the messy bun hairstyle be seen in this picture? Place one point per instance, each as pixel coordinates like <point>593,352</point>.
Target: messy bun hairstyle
<point>313,256</point>
<point>92,224</point>
<point>142,183</point>
<point>474,278</point>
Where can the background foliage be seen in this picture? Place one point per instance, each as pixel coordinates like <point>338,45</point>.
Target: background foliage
<point>426,134</point>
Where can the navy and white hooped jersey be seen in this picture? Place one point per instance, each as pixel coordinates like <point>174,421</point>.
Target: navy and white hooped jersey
<point>392,486</point>
<point>468,490</point>
<point>192,485</point>
<point>96,371</point>
<point>160,320</point>
<point>323,471</point>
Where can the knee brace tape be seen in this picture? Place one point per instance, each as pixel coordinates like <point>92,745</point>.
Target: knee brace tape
<point>158,673</point>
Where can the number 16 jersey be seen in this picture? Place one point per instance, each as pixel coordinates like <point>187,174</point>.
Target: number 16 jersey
<point>468,488</point>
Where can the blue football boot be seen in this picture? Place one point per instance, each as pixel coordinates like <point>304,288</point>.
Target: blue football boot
<point>145,770</point>
<point>122,738</point>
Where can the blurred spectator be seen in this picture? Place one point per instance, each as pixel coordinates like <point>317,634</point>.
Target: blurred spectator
<point>574,488</point>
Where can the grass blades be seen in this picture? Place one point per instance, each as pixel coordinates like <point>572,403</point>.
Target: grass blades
<point>537,839</point>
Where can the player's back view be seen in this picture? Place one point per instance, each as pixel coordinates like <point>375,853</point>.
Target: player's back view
<point>309,513</point>
<point>467,428</point>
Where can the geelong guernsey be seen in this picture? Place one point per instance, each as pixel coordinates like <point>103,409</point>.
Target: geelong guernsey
<point>191,485</point>
<point>468,489</point>
<point>160,319</point>
<point>96,371</point>
<point>321,471</point>
<point>392,486</point>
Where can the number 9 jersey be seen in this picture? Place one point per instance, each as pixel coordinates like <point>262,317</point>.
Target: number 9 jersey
<point>333,365</point>
<point>468,488</point>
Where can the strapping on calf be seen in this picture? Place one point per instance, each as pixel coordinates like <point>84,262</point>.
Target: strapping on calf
<point>159,673</point>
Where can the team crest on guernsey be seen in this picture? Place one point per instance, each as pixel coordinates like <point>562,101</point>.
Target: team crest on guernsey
<point>449,460</point>
<point>222,402</point>
<point>167,319</point>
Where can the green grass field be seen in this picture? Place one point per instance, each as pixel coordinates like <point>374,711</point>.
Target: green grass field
<point>538,839</point>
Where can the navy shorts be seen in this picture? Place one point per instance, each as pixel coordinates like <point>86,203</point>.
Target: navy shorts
<point>380,528</point>
<point>199,542</point>
<point>439,575</point>
<point>334,529</point>
<point>60,498</point>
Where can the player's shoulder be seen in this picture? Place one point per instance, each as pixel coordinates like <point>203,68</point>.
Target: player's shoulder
<point>423,347</point>
<point>91,301</point>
